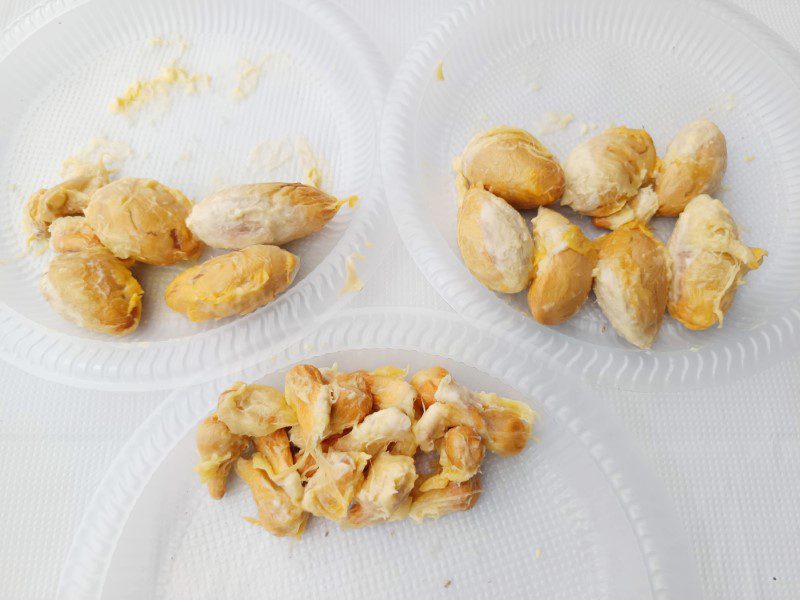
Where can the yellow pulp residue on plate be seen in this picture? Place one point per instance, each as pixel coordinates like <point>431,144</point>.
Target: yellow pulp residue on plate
<point>293,155</point>
<point>730,103</point>
<point>98,149</point>
<point>313,177</point>
<point>440,71</point>
<point>554,121</point>
<point>142,92</point>
<point>727,104</point>
<point>247,79</point>
<point>161,42</point>
<point>352,282</point>
<point>172,76</point>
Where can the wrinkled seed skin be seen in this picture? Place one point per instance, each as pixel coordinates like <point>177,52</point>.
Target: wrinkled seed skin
<point>352,403</point>
<point>261,213</point>
<point>276,512</point>
<point>464,449</point>
<point>513,165</point>
<point>144,220</point>
<point>217,445</point>
<point>70,234</point>
<point>426,382</point>
<point>694,164</point>
<point>603,173</point>
<point>709,262</point>
<point>68,198</point>
<point>94,290</point>
<point>455,497</point>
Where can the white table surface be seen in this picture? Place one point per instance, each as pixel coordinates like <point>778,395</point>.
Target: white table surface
<point>730,455</point>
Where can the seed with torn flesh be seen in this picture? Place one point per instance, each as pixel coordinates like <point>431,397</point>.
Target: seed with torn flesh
<point>460,455</point>
<point>709,262</point>
<point>376,432</point>
<point>95,290</point>
<point>440,417</point>
<point>603,173</point>
<point>311,398</point>
<point>426,382</point>
<point>254,410</point>
<point>385,490</point>
<point>218,449</point>
<point>352,401</point>
<point>508,424</point>
<point>276,511</point>
<point>144,220</point>
<point>330,491</point>
<point>68,198</point>
<point>274,457</point>
<point>453,497</point>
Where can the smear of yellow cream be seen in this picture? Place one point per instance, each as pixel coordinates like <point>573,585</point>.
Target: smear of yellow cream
<point>352,282</point>
<point>247,79</point>
<point>392,371</point>
<point>142,92</point>
<point>98,149</point>
<point>440,71</point>
<point>554,121</point>
<point>313,177</point>
<point>161,42</point>
<point>303,163</point>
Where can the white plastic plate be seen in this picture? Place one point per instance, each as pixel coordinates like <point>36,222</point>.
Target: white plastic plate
<point>644,63</point>
<point>574,516</point>
<point>321,86</point>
